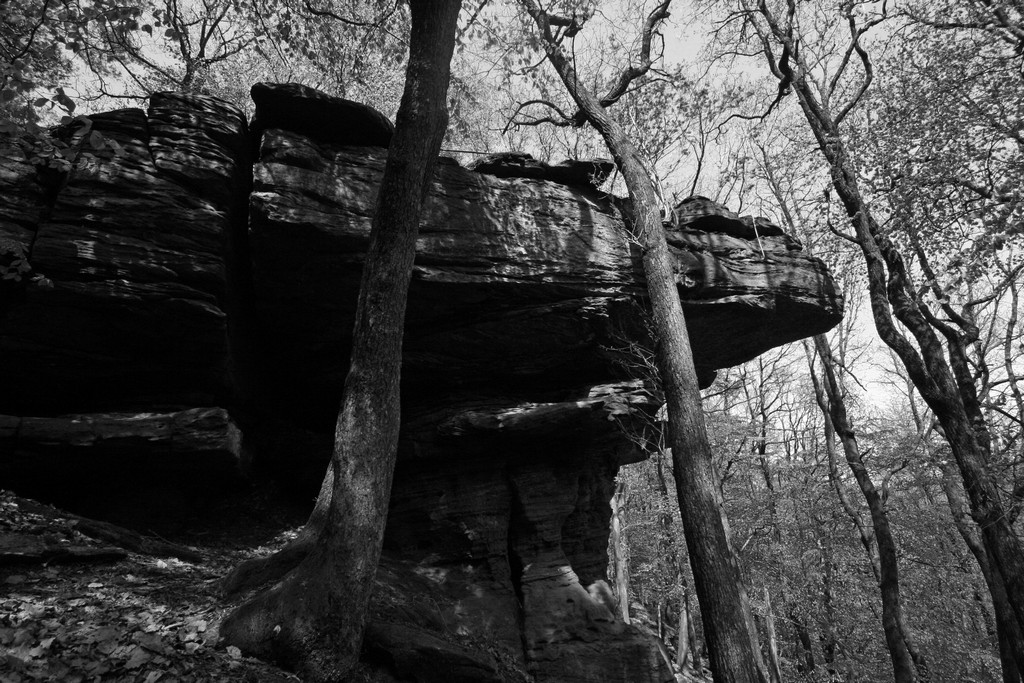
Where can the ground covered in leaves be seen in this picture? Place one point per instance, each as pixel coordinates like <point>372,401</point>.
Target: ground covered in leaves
<point>103,614</point>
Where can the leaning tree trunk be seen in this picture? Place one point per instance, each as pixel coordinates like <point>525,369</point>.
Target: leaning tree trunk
<point>940,373</point>
<point>829,396</point>
<point>728,625</point>
<point>934,379</point>
<point>1008,630</point>
<point>313,620</point>
<point>889,291</point>
<point>1008,633</point>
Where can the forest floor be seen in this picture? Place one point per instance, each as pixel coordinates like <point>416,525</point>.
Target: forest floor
<point>76,609</point>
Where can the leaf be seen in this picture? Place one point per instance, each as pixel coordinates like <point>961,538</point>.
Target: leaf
<point>152,642</point>
<point>23,636</point>
<point>61,98</point>
<point>97,668</point>
<point>41,649</point>
<point>138,658</point>
<point>104,634</point>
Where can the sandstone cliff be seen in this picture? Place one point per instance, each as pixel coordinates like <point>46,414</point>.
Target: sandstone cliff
<point>200,280</point>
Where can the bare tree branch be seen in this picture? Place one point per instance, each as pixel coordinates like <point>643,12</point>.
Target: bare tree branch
<point>374,23</point>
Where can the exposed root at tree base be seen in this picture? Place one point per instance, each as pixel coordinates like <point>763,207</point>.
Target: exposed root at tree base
<point>260,571</point>
<point>298,623</point>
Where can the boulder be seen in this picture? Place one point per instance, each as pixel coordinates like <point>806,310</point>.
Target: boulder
<point>705,215</point>
<point>310,112</point>
<point>137,468</point>
<point>583,174</point>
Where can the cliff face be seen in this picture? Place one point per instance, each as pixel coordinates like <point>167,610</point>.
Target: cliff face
<point>198,314</point>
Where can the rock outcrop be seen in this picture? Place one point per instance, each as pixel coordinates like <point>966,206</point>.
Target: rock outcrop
<point>571,172</point>
<point>137,247</point>
<point>196,310</point>
<point>529,283</point>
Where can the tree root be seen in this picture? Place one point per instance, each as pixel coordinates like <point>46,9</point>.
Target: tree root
<point>260,571</point>
<point>297,624</point>
<point>263,570</point>
<point>112,533</point>
<point>29,548</point>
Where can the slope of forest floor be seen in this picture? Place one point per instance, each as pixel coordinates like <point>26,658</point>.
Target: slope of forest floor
<point>91,611</point>
<point>77,608</point>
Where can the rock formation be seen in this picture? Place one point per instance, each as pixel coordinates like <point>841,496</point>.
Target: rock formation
<point>179,305</point>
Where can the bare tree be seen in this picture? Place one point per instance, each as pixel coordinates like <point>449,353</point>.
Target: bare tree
<point>728,625</point>
<point>907,663</point>
<point>313,620</point>
<point>930,337</point>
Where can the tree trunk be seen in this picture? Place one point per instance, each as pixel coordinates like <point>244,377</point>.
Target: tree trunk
<point>1011,656</point>
<point>728,628</point>
<point>619,549</point>
<point>830,399</point>
<point>830,646</point>
<point>312,622</point>
<point>1008,634</point>
<point>930,373</point>
<point>259,571</point>
<point>683,636</point>
<point>941,374</point>
<point>803,636</point>
<point>774,668</point>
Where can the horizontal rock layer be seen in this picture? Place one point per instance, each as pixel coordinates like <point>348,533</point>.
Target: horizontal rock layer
<point>136,246</point>
<point>520,281</point>
<point>140,469</point>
